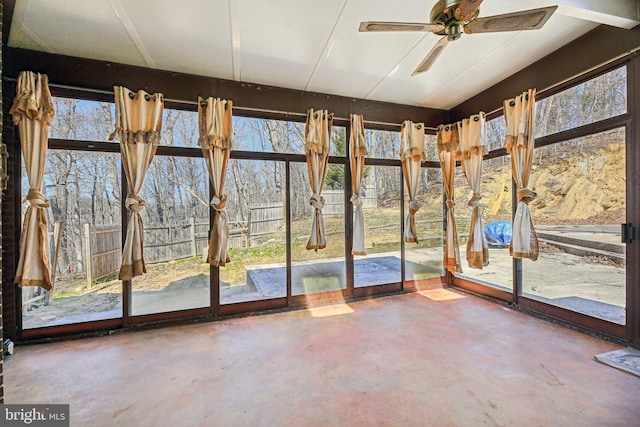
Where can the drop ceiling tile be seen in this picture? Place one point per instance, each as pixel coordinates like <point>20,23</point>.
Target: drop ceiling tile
<point>302,45</point>
<point>355,62</point>
<point>89,29</point>
<point>192,37</point>
<point>281,40</point>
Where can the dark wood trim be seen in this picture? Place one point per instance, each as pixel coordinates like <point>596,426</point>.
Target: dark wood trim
<point>214,271</point>
<point>582,131</point>
<point>430,164</point>
<point>167,315</point>
<point>348,216</point>
<point>71,329</point>
<point>599,46</point>
<point>214,283</point>
<point>569,134</point>
<point>99,76</point>
<point>632,156</point>
<point>11,220</point>
<point>424,284</point>
<point>369,291</point>
<point>124,219</point>
<point>382,162</point>
<point>83,145</point>
<point>516,263</point>
<point>403,249</point>
<point>253,306</point>
<point>482,288</point>
<point>581,78</point>
<point>107,96</point>
<point>573,317</point>
<point>289,260</point>
<point>494,154</point>
<point>319,298</point>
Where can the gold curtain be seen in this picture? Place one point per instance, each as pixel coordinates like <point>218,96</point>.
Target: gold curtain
<point>471,152</point>
<point>411,156</point>
<point>519,142</point>
<point>448,143</point>
<point>33,112</point>
<point>138,126</point>
<point>357,153</point>
<point>317,145</point>
<point>216,127</point>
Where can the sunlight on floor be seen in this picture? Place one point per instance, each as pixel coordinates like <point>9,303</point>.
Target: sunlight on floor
<point>330,310</point>
<point>440,295</point>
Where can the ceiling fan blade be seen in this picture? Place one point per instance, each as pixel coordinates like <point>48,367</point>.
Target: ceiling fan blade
<point>431,57</point>
<point>466,9</point>
<point>378,26</point>
<point>532,19</point>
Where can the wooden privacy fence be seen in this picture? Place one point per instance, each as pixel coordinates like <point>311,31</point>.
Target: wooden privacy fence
<point>162,244</point>
<point>103,247</point>
<point>261,221</point>
<point>334,202</point>
<point>103,252</point>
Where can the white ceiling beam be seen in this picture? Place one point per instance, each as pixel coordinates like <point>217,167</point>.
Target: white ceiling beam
<point>617,13</point>
<point>234,27</point>
<point>328,45</point>
<point>120,12</point>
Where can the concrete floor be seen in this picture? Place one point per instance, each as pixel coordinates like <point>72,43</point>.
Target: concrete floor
<point>435,358</point>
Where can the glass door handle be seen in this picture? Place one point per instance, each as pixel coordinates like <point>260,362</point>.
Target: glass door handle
<point>629,233</point>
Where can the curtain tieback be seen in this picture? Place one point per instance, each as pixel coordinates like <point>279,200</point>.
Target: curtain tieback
<point>317,201</point>
<point>115,133</point>
<point>413,206</point>
<point>219,203</point>
<point>210,141</point>
<point>450,204</point>
<point>525,195</point>
<point>37,199</point>
<point>356,200</point>
<point>474,202</point>
<point>134,203</point>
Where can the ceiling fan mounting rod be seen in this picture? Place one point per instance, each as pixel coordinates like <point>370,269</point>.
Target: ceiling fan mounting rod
<point>454,32</point>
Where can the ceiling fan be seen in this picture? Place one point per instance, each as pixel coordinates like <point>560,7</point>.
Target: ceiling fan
<point>452,18</point>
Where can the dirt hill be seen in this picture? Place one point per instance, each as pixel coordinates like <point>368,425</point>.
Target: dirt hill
<point>578,182</point>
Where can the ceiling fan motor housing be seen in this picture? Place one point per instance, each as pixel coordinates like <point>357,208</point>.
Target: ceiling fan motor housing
<point>443,13</point>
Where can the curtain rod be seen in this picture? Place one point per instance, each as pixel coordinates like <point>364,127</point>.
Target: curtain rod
<point>235,107</point>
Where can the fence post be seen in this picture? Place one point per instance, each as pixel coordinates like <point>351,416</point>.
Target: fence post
<point>192,230</point>
<point>248,229</point>
<point>87,255</point>
<point>54,250</point>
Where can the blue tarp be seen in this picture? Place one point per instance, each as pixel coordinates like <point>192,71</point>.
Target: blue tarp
<point>498,232</point>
